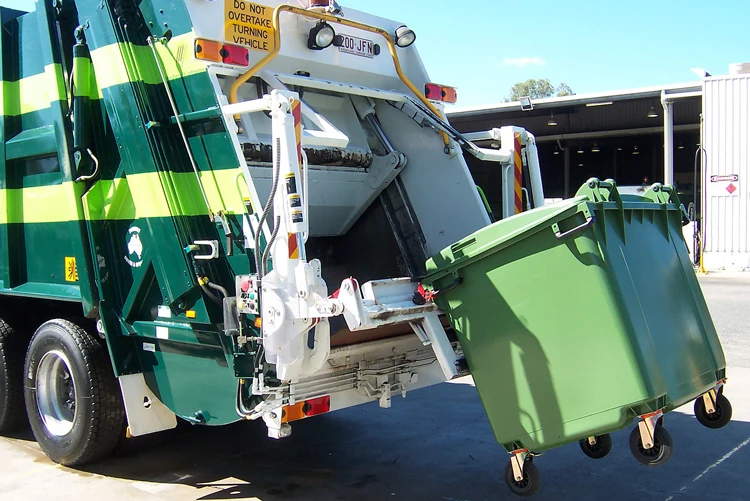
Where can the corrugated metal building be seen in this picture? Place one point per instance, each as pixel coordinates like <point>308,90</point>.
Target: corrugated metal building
<point>653,134</point>
<point>726,134</point>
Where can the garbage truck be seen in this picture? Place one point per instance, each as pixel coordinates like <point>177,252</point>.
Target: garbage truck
<point>216,211</point>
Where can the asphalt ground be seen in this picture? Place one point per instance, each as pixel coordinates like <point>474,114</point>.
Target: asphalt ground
<point>434,445</point>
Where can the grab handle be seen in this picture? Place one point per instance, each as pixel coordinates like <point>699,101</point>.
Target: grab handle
<point>589,221</point>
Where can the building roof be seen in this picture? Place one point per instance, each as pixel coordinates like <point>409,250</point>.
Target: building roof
<point>579,99</point>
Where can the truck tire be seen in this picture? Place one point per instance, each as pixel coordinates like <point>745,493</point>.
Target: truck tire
<point>73,401</point>
<point>12,352</point>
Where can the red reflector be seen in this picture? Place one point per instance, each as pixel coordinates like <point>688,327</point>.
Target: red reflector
<point>449,95</point>
<point>433,91</point>
<point>442,93</point>
<point>234,54</point>
<point>317,406</point>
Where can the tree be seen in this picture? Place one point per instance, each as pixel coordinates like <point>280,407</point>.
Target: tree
<point>564,90</point>
<point>538,89</point>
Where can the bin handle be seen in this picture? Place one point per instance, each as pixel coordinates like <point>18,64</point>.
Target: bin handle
<point>589,221</point>
<point>456,283</point>
<point>422,296</point>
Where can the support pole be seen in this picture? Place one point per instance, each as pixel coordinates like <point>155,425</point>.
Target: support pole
<point>668,106</point>
<point>566,172</point>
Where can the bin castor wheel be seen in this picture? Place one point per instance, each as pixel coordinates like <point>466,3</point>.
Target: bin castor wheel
<point>719,418</point>
<point>656,455</point>
<point>530,483</point>
<point>598,449</point>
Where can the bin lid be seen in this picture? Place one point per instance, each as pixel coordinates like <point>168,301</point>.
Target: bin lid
<point>497,236</point>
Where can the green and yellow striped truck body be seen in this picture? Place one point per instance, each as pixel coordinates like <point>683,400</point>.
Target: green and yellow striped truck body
<point>90,157</point>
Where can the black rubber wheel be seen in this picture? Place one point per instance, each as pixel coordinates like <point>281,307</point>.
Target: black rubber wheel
<point>600,449</point>
<point>12,353</point>
<point>656,455</point>
<point>719,418</point>
<point>530,483</point>
<point>73,401</point>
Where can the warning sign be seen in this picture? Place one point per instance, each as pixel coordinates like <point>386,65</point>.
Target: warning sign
<point>71,270</point>
<point>247,23</point>
<point>724,185</point>
<point>725,178</point>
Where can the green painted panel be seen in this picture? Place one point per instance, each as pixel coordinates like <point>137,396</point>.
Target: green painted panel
<point>174,14</point>
<point>190,379</point>
<point>29,39</point>
<point>41,254</point>
<point>32,142</point>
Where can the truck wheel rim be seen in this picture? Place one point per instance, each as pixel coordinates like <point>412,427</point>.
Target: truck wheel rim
<point>56,393</point>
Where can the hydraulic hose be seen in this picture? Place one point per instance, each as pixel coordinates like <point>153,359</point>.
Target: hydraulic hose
<point>267,209</point>
<point>213,297</point>
<point>219,288</point>
<point>267,250</point>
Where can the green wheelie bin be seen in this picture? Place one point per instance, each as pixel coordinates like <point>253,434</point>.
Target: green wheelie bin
<point>552,318</point>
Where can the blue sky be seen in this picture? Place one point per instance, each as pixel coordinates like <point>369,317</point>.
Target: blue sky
<point>484,46</point>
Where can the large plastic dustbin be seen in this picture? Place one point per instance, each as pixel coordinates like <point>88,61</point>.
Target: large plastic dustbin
<point>562,315</point>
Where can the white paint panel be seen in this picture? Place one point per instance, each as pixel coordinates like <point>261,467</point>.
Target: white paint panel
<point>726,112</point>
<point>146,413</point>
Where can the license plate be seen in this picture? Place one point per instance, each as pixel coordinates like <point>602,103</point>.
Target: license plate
<point>357,46</point>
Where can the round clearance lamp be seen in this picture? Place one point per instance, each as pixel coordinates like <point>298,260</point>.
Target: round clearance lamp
<point>321,36</point>
<point>404,36</point>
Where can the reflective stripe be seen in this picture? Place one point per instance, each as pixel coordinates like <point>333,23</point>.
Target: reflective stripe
<point>297,114</point>
<point>178,59</point>
<point>34,93</point>
<point>225,190</point>
<point>41,204</point>
<point>293,246</point>
<point>138,196</point>
<point>84,84</point>
<point>37,92</point>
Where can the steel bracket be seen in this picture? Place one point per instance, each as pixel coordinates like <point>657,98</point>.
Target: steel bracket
<point>211,244</point>
<point>647,425</point>
<point>709,401</point>
<point>517,460</point>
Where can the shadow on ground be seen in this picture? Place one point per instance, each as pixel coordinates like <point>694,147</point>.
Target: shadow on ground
<point>435,445</point>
